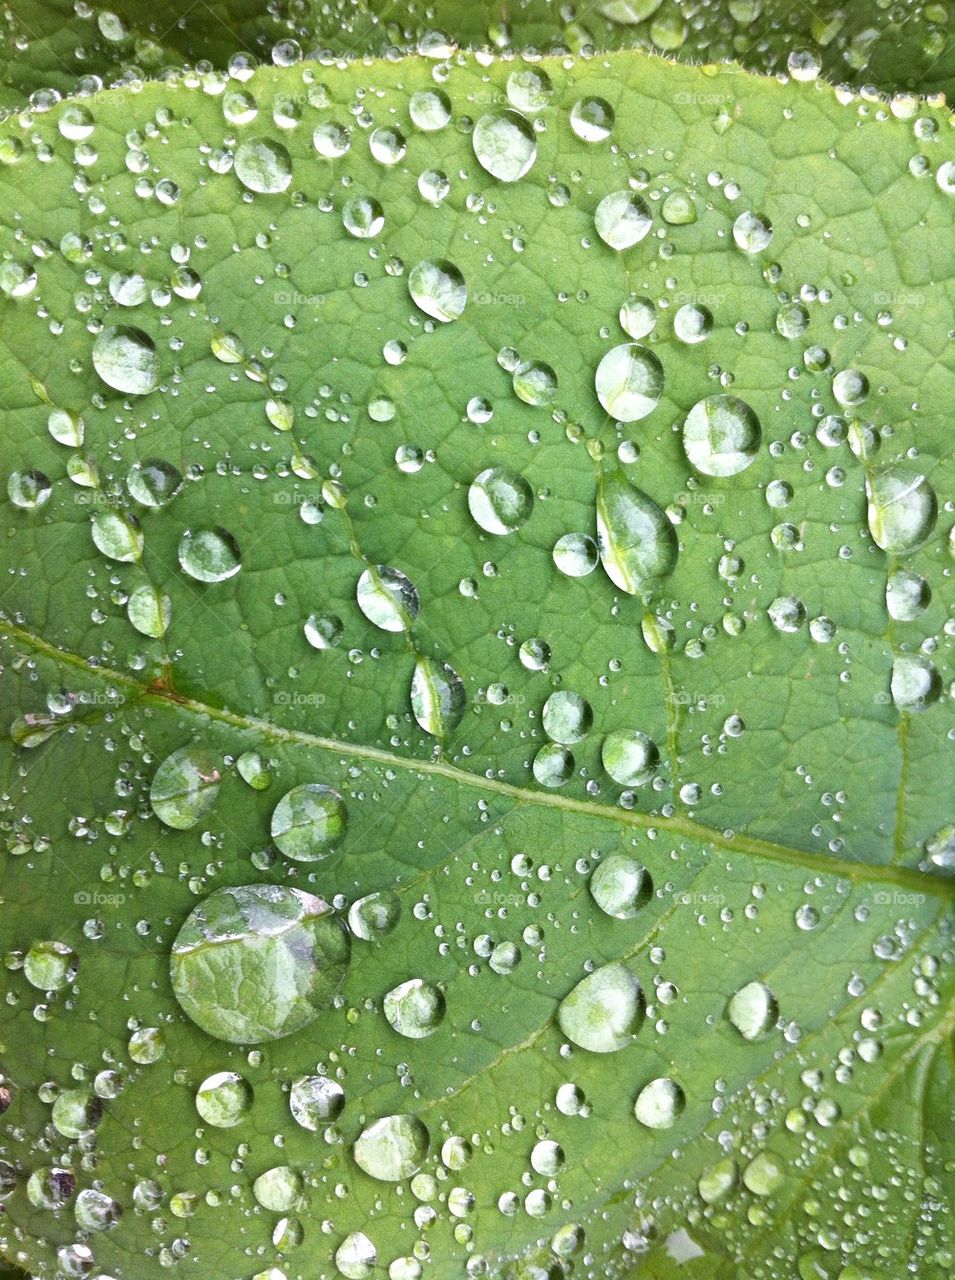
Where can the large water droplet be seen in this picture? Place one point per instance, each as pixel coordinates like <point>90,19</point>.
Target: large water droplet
<point>224,1099</point>
<point>375,915</point>
<point>50,965</point>
<point>622,219</point>
<point>505,145</point>
<point>637,543</point>
<point>392,1148</point>
<point>439,289</point>
<point>753,1010</point>
<point>308,822</point>
<point>263,166</point>
<point>500,500</point>
<point>316,1102</point>
<point>257,962</point>
<point>387,598</point>
<point>902,510</point>
<point>604,1011</point>
<point>415,1008</point>
<point>660,1103</point>
<point>567,717</point>
<point>125,358</point>
<point>621,886</point>
<point>629,382</point>
<point>437,696</point>
<point>630,757</point>
<point>721,435</point>
<point>209,555</point>
<point>915,683</point>
<point>117,536</point>
<point>184,787</point>
<point>907,595</point>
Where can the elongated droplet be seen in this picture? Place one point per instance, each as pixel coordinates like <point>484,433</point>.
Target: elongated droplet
<point>902,511</point>
<point>637,543</point>
<point>437,696</point>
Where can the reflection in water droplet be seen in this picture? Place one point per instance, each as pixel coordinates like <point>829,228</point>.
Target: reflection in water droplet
<point>604,1011</point>
<point>567,717</point>
<point>753,1010</point>
<point>415,1009</point>
<point>439,289</point>
<point>660,1103</point>
<point>29,490</point>
<point>637,543</point>
<point>117,536</point>
<point>387,598</point>
<point>154,482</point>
<point>553,765</point>
<point>356,1257</point>
<point>209,555</point>
<point>125,358</point>
<point>257,962</point>
<point>316,1101</point>
<point>592,119</point>
<point>224,1099</point>
<point>752,232</point>
<point>622,219</point>
<point>76,1112</point>
<point>629,382</point>
<point>721,435</point>
<point>902,509</point>
<point>263,166</point>
<point>764,1174</point>
<point>907,595</point>
<point>535,383</point>
<point>323,630</point>
<point>915,683</point>
<point>184,787</point>
<point>438,699</point>
<point>149,611</point>
<point>50,965</point>
<point>575,555</point>
<point>621,886</point>
<point>505,145</point>
<point>500,500</point>
<point>374,916</point>
<point>309,822</point>
<point>638,316</point>
<point>392,1148</point>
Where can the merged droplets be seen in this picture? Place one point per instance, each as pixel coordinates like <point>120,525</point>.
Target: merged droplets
<point>505,145</point>
<point>902,509</point>
<point>500,500</point>
<point>392,1148</point>
<point>263,166</point>
<point>29,490</point>
<point>209,555</point>
<point>126,360</point>
<point>721,435</point>
<point>439,289</point>
<point>629,382</point>
<point>309,822</point>
<point>622,219</point>
<point>387,598</point>
<point>257,962</point>
<point>415,1009</point>
<point>637,543</point>
<point>604,1011</point>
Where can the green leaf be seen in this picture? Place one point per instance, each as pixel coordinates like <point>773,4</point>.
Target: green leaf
<point>637,808</point>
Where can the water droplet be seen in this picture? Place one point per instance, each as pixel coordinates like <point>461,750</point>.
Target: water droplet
<point>126,360</point>
<point>323,630</point>
<point>592,119</point>
<point>209,555</point>
<point>505,145</point>
<point>356,1257</point>
<point>622,219</point>
<point>907,595</point>
<point>604,1011</point>
<point>753,1010</point>
<point>154,483</point>
<point>567,717</point>
<point>76,1112</point>
<point>692,324</point>
<point>629,382</point>
<point>184,787</point>
<point>363,217</point>
<point>500,500</point>
<point>392,1148</point>
<point>117,536</point>
<point>439,289</point>
<point>553,765</point>
<point>660,1103</point>
<point>374,916</point>
<point>764,1174</point>
<point>786,613</point>
<point>638,317</point>
<point>316,1102</point>
<point>719,1181</point>
<point>576,555</point>
<point>621,886</point>
<point>752,232</point>
<point>915,683</point>
<point>902,509</point>
<point>29,490</point>
<point>257,962</point>
<point>387,598</point>
<point>263,166</point>
<point>637,543</point>
<point>308,823</point>
<point>630,757</point>
<point>224,1099</point>
<point>721,436</point>
<point>149,611</point>
<point>415,1008</point>
<point>278,1189</point>
<point>438,699</point>
<point>50,965</point>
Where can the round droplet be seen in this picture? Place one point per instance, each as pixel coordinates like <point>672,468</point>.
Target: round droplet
<point>592,119</point>
<point>117,536</point>
<point>764,1174</point>
<point>50,966</point>
<point>149,611</point>
<point>529,89</point>
<point>915,683</point>
<point>76,1112</point>
<point>500,500</point>
<point>257,962</point>
<point>621,886</point>
<point>575,554</point>
<point>630,757</point>
<point>415,1008</point>
<point>316,1102</point>
<point>786,613</point>
<point>154,483</point>
<point>721,435</point>
<point>567,717</point>
<point>263,166</point>
<point>753,1010</point>
<point>638,317</point>
<point>752,232</point>
<point>907,595</point>
<point>224,1099</point>
<point>374,916</point>
<point>622,219</point>
<point>392,1148</point>
<point>331,140</point>
<point>278,1189</point>
<point>184,787</point>
<point>553,765</point>
<point>505,145</point>
<point>363,217</point>
<point>29,490</point>
<point>439,289</point>
<point>535,383</point>
<point>323,630</point>
<point>356,1257</point>
<point>309,822</point>
<point>604,1011</point>
<point>209,555</point>
<point>387,598</point>
<point>660,1103</point>
<point>902,509</point>
<point>692,324</point>
<point>629,382</point>
<point>125,358</point>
